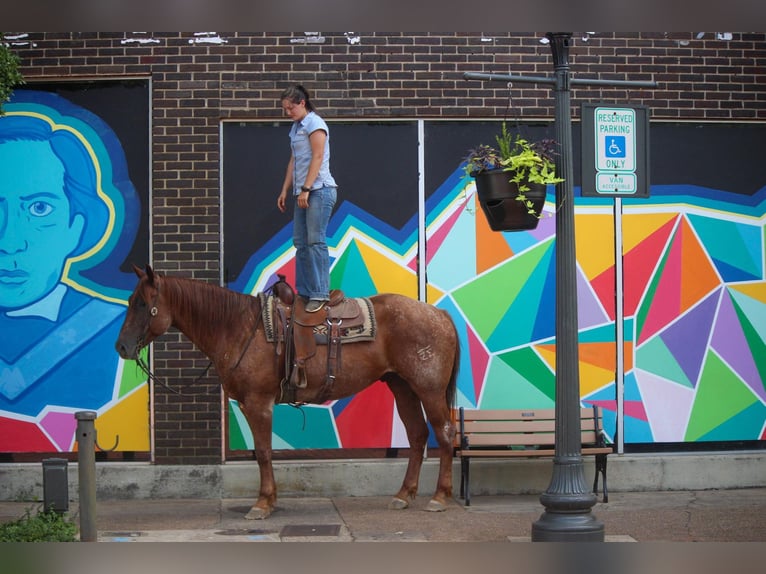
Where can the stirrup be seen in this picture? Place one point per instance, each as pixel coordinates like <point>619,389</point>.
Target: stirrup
<point>314,305</point>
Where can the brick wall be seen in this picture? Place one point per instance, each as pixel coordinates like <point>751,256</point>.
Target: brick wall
<point>198,79</point>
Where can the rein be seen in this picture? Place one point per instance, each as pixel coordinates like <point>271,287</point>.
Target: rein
<point>145,369</point>
<point>152,377</point>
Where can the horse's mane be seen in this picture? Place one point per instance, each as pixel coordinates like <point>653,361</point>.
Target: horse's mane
<point>216,307</point>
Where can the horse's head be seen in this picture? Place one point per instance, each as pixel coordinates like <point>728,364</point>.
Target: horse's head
<point>146,318</point>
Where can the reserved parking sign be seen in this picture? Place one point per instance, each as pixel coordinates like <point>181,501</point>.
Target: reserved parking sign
<point>615,150</point>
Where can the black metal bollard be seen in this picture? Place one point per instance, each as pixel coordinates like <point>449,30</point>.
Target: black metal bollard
<point>55,485</point>
<point>86,467</point>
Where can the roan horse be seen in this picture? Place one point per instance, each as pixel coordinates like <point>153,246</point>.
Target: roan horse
<point>415,352</point>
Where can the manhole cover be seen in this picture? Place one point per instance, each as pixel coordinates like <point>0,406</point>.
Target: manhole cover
<point>298,530</point>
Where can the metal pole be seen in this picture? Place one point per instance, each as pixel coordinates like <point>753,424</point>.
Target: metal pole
<point>619,326</point>
<point>86,467</point>
<point>567,501</point>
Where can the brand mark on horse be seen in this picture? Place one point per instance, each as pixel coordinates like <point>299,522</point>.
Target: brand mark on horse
<point>426,353</point>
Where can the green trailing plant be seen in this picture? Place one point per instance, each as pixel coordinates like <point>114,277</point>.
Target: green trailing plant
<point>45,526</point>
<point>525,161</point>
<point>10,76</point>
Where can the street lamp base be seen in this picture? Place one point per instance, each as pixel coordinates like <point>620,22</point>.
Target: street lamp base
<point>558,527</point>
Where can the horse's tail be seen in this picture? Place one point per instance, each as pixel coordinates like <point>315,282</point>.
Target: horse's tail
<point>451,393</point>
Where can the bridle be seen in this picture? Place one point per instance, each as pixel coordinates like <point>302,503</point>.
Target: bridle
<point>153,311</point>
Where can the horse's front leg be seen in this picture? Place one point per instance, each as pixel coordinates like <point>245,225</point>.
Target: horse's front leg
<point>259,416</point>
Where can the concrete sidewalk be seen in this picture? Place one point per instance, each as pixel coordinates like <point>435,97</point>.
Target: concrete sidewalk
<point>670,516</point>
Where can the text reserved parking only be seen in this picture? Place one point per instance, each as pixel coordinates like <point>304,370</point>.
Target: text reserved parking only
<point>615,154</point>
<point>615,150</point>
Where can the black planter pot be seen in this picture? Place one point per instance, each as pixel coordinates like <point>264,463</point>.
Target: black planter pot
<point>497,196</point>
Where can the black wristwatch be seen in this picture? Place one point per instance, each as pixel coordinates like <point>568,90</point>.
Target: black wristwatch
<point>305,188</point>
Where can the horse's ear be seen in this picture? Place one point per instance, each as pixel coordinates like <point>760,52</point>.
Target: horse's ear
<point>150,273</point>
<point>138,271</point>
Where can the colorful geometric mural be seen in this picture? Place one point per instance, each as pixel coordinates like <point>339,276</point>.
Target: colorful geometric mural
<point>694,312</point>
<point>685,272</point>
<point>693,303</point>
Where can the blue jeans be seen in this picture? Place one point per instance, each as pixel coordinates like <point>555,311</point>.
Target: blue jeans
<point>312,258</point>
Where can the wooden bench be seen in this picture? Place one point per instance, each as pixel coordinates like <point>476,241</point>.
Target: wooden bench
<point>523,433</point>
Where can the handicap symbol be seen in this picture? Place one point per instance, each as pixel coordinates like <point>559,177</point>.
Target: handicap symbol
<point>615,146</point>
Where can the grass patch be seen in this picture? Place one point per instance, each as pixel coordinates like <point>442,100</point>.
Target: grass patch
<point>45,526</point>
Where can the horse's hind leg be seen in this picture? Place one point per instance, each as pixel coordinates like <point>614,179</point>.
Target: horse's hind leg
<point>410,411</point>
<point>439,415</point>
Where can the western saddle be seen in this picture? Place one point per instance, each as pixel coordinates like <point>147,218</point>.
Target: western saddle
<point>297,334</point>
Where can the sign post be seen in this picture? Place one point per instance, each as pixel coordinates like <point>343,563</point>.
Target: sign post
<point>615,163</point>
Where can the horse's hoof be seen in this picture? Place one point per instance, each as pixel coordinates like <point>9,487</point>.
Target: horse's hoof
<point>435,506</point>
<point>398,504</point>
<point>257,513</point>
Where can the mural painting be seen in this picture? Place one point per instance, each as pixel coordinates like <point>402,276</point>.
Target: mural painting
<point>69,215</point>
<point>694,301</point>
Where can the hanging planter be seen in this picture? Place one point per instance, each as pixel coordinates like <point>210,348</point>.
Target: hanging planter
<point>511,180</point>
<point>502,204</point>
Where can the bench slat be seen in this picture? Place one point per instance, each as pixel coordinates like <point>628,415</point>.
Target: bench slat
<point>521,439</point>
<point>528,452</point>
<point>505,426</point>
<point>520,415</point>
<point>492,453</point>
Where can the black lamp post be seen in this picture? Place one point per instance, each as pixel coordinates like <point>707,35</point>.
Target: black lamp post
<point>567,501</point>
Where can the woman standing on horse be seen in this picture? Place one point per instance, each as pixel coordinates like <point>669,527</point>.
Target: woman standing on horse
<point>312,185</point>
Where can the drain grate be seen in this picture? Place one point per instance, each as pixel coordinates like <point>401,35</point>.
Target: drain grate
<point>120,536</point>
<point>301,530</point>
<point>131,534</point>
<point>244,532</point>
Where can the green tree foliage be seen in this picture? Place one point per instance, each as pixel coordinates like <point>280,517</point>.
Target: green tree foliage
<point>10,76</point>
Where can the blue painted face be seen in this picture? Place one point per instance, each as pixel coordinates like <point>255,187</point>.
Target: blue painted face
<point>36,234</point>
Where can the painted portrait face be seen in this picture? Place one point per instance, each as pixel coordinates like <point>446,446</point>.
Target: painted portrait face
<point>37,232</point>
